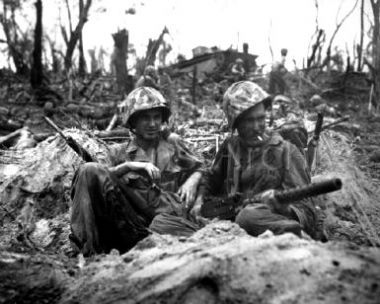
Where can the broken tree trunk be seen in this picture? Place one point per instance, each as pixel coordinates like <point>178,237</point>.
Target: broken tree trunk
<point>360,45</point>
<point>8,22</point>
<point>312,60</point>
<point>119,61</point>
<point>74,35</point>
<point>375,64</point>
<point>82,61</point>
<point>37,73</point>
<point>153,46</point>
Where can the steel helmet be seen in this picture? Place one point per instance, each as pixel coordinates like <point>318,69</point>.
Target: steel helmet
<point>142,99</point>
<point>150,71</point>
<point>239,60</point>
<point>241,96</point>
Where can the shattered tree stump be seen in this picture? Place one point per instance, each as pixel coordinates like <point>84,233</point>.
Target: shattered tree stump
<point>41,177</point>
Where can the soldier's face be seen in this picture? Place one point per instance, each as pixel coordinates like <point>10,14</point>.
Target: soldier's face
<point>148,124</point>
<point>251,126</point>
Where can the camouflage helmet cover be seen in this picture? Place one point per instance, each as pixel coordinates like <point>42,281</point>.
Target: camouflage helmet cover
<point>241,96</point>
<point>150,71</point>
<point>142,99</point>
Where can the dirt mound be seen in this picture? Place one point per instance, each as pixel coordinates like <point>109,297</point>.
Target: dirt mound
<point>31,279</point>
<point>218,264</point>
<point>222,264</point>
<point>353,213</point>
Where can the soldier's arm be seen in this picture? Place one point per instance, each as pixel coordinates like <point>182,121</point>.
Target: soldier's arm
<point>214,177</point>
<point>121,164</point>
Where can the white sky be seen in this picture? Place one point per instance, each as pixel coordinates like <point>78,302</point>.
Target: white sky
<point>222,23</point>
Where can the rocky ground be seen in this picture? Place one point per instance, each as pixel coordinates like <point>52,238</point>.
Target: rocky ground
<point>220,263</point>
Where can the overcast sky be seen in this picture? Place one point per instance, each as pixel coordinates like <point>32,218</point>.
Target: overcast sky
<point>222,23</point>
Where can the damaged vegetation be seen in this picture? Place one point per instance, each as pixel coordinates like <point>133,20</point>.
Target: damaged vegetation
<point>220,263</point>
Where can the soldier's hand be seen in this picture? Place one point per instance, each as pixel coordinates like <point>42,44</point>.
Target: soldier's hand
<point>195,212</point>
<point>127,166</point>
<point>188,191</point>
<point>268,198</point>
<point>152,170</point>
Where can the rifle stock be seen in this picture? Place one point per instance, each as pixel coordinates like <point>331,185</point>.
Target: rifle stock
<point>227,208</point>
<point>318,126</point>
<point>313,143</point>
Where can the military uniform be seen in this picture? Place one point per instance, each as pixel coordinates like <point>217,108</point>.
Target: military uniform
<point>266,163</point>
<point>111,211</point>
<point>277,83</point>
<point>237,70</point>
<point>149,79</point>
<point>276,164</point>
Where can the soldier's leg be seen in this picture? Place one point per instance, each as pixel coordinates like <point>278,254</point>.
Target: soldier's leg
<point>256,219</point>
<point>102,217</point>
<point>165,223</point>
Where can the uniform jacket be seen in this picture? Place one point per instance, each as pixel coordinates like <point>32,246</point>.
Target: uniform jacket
<point>276,164</point>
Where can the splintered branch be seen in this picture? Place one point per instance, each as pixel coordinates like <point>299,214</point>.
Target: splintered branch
<point>338,26</point>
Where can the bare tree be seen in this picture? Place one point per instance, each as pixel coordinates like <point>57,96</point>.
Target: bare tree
<point>374,66</point>
<point>316,49</point>
<point>359,48</point>
<point>93,62</point>
<point>316,42</point>
<point>72,38</point>
<point>19,43</point>
<point>337,28</point>
<point>37,72</point>
<point>82,61</point>
<point>56,62</point>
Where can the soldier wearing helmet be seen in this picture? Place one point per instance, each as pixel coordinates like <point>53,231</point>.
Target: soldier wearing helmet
<point>237,70</point>
<point>152,180</point>
<point>149,78</point>
<point>252,161</point>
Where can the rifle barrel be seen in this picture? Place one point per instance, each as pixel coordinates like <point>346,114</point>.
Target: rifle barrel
<point>345,118</point>
<point>310,190</point>
<point>55,127</point>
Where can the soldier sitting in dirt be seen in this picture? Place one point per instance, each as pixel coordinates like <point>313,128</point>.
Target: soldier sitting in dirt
<point>258,161</point>
<point>148,79</point>
<point>153,180</point>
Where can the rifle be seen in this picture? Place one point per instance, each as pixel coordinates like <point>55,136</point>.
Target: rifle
<point>313,143</point>
<point>71,142</point>
<point>228,208</point>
